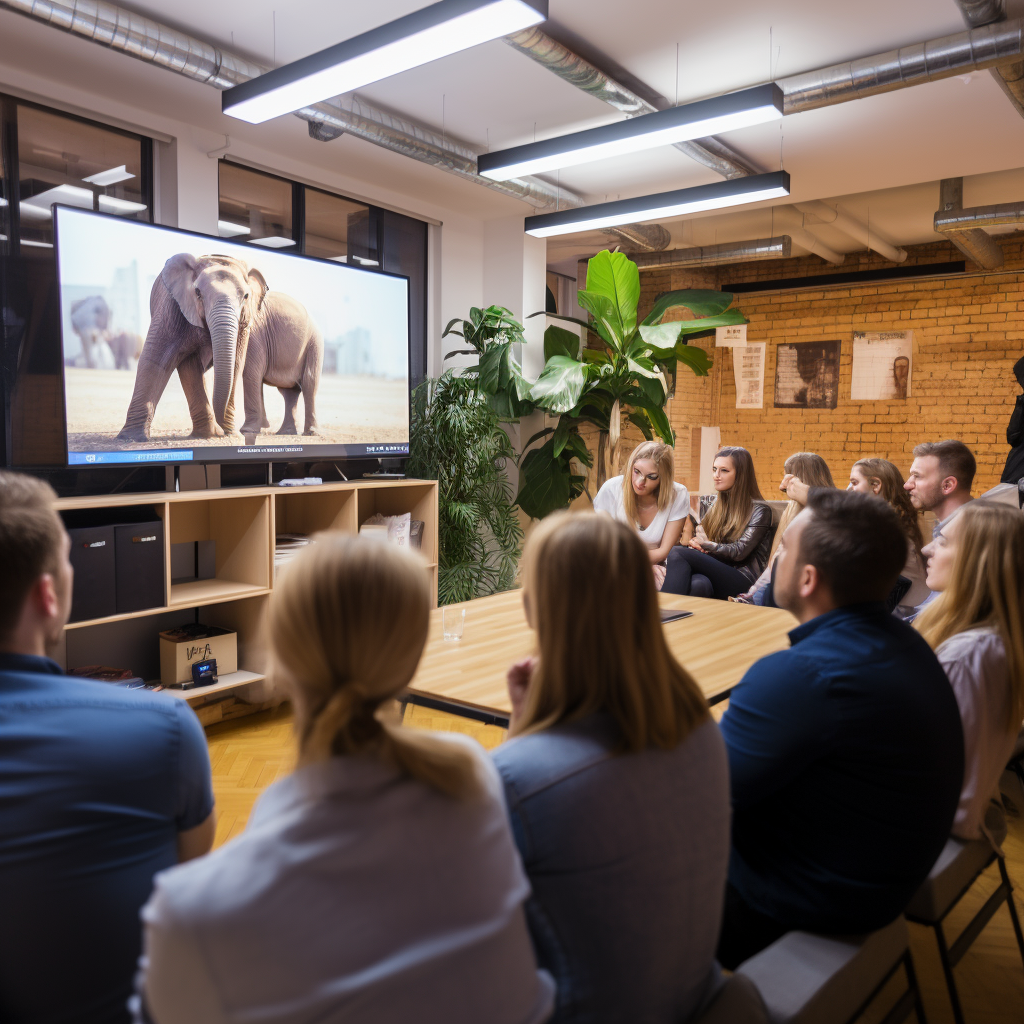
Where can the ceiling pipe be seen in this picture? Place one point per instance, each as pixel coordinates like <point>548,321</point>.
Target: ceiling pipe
<point>962,228</point>
<point>574,69</point>
<point>986,47</point>
<point>150,41</point>
<point>806,240</point>
<point>779,247</point>
<point>854,228</point>
<point>1009,77</point>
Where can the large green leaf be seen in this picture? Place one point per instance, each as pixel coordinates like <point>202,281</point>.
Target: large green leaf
<point>607,322</point>
<point>664,336</point>
<point>615,276</point>
<point>697,301</point>
<point>640,419</point>
<point>561,435</point>
<point>657,417</point>
<point>560,342</point>
<point>544,482</point>
<point>560,384</point>
<point>695,357</point>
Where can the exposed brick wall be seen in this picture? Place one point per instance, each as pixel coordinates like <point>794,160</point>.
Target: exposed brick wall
<point>968,332</point>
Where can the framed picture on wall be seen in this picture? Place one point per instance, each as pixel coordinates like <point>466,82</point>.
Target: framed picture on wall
<point>807,375</point>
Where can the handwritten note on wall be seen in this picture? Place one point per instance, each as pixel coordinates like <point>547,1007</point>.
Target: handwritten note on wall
<point>882,363</point>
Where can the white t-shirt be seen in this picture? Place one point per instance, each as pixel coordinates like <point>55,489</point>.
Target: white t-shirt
<point>609,499</point>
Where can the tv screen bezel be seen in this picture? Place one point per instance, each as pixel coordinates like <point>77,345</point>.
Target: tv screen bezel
<point>270,456</point>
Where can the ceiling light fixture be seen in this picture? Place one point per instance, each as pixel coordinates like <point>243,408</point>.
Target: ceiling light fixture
<point>732,192</point>
<point>110,177</point>
<point>111,204</point>
<point>273,241</point>
<point>426,35</point>
<point>229,229</point>
<point>662,128</point>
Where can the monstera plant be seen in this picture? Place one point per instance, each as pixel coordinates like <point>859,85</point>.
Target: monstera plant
<point>625,375</point>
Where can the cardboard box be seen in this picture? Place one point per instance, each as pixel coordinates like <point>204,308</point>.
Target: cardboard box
<point>180,648</point>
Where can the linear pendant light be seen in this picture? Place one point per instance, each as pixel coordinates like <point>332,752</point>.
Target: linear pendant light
<point>733,192</point>
<point>662,128</point>
<point>436,31</point>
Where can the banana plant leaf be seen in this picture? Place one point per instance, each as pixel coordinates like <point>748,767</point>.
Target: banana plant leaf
<point>700,302</point>
<point>544,481</point>
<point>666,335</point>
<point>560,384</point>
<point>560,342</point>
<point>616,277</point>
<point>607,321</point>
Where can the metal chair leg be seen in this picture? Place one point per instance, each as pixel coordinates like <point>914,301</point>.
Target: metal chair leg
<point>908,966</point>
<point>1012,908</point>
<point>947,969</point>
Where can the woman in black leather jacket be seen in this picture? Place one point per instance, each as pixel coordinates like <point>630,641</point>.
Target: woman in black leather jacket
<point>731,546</point>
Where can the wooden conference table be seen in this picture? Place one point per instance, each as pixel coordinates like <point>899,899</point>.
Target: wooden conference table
<point>717,644</point>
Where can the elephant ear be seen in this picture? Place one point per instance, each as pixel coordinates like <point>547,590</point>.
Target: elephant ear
<point>179,278</point>
<point>258,289</point>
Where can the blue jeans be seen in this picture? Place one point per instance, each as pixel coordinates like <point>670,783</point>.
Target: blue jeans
<point>695,572</point>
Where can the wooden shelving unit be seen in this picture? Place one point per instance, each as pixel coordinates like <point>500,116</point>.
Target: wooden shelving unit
<point>243,523</point>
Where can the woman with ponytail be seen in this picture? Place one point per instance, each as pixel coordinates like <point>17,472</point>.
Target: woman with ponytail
<point>379,881</point>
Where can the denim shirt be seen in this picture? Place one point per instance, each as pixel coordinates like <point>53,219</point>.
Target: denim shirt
<point>626,855</point>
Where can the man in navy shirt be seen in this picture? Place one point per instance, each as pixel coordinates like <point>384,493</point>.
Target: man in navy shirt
<point>100,788</point>
<point>846,751</point>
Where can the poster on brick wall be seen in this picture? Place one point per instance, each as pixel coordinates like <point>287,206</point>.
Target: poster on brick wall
<point>882,362</point>
<point>807,375</point>
<point>748,371</point>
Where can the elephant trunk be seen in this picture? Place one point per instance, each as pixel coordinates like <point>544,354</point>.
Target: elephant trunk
<point>222,322</point>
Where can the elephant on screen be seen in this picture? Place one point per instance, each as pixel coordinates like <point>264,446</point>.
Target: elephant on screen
<point>286,351</point>
<point>90,319</point>
<point>127,348</point>
<point>203,310</point>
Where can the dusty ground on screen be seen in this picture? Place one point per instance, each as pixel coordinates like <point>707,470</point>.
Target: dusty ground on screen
<point>350,410</point>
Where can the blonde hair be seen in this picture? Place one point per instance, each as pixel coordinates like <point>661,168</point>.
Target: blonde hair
<point>662,456</point>
<point>347,625</point>
<point>890,481</point>
<point>810,469</point>
<point>985,589</point>
<point>731,511</point>
<point>592,658</point>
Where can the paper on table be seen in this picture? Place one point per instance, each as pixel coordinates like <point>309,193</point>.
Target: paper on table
<point>882,363</point>
<point>748,371</point>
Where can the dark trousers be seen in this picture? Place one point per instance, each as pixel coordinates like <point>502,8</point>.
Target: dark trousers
<point>745,931</point>
<point>685,568</point>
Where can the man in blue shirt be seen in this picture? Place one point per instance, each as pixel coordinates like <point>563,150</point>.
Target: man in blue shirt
<point>100,788</point>
<point>846,752</point>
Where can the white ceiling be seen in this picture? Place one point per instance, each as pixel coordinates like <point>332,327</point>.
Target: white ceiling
<point>877,155</point>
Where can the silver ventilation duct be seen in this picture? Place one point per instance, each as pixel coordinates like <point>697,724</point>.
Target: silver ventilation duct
<point>777,248</point>
<point>574,69</point>
<point>1009,77</point>
<point>964,227</point>
<point>985,47</point>
<point>148,40</point>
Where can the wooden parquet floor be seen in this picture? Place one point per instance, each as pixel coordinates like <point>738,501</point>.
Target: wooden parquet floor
<point>248,754</point>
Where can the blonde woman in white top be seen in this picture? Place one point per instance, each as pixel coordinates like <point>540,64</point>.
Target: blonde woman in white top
<point>379,882</point>
<point>976,631</point>
<point>647,498</point>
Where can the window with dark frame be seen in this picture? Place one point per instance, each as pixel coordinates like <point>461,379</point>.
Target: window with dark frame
<point>265,209</point>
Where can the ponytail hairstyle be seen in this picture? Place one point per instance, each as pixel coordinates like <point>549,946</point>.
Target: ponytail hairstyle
<point>809,469</point>
<point>986,588</point>
<point>890,481</point>
<point>347,625</point>
<point>661,455</point>
<point>590,661</point>
<point>731,511</point>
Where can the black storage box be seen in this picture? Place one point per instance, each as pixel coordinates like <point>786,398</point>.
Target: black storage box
<point>94,594</point>
<point>139,556</point>
<point>118,558</point>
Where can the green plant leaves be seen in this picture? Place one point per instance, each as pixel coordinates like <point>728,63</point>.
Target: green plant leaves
<point>698,301</point>
<point>615,277</point>
<point>546,480</point>
<point>560,342</point>
<point>560,384</point>
<point>696,358</point>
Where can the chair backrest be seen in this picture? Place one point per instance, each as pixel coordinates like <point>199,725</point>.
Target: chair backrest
<point>737,1002</point>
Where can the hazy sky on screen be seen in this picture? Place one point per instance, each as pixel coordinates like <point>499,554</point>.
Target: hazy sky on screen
<point>92,248</point>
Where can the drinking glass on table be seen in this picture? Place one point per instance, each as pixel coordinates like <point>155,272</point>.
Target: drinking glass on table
<point>453,620</point>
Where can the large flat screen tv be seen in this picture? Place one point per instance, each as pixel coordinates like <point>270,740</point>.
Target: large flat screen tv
<point>181,347</point>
